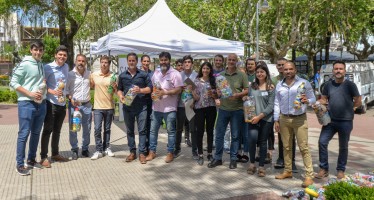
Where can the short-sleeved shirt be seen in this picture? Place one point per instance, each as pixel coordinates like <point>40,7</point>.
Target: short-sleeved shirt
<point>103,99</point>
<point>237,81</point>
<point>140,79</point>
<point>251,77</point>
<point>53,75</point>
<point>171,80</point>
<point>340,96</point>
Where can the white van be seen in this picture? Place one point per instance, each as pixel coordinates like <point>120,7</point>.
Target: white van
<point>362,74</point>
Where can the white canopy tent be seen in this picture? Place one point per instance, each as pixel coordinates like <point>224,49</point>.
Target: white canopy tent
<point>160,30</point>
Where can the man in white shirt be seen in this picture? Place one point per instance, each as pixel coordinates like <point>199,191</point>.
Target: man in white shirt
<point>78,93</point>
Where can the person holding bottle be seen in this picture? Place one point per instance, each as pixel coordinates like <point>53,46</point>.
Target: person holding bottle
<point>205,109</point>
<point>78,89</point>
<point>259,127</point>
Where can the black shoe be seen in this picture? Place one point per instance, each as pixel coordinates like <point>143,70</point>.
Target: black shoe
<point>294,168</point>
<point>257,159</point>
<point>188,142</point>
<point>279,164</point>
<point>176,153</point>
<point>200,161</point>
<point>214,163</point>
<point>245,159</point>
<point>23,171</point>
<point>32,164</point>
<point>209,157</point>
<point>195,156</point>
<point>74,155</point>
<point>85,153</point>
<point>232,164</point>
<point>239,157</point>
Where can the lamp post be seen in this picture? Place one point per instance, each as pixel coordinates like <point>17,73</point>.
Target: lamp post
<point>264,5</point>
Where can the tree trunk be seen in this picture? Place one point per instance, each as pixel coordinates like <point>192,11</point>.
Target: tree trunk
<point>327,47</point>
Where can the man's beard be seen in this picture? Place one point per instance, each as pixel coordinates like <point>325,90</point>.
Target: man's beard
<point>164,68</point>
<point>80,67</point>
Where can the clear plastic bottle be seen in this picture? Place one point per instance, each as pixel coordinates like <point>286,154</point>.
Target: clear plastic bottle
<point>207,88</point>
<point>41,88</point>
<point>113,79</point>
<point>249,107</point>
<point>61,86</point>
<point>129,97</point>
<point>156,87</point>
<point>77,121</point>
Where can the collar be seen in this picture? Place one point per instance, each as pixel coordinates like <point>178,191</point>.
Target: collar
<point>105,75</point>
<point>235,72</point>
<point>297,78</point>
<point>137,71</point>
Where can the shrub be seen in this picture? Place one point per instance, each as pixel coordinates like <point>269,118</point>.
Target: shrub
<point>345,191</point>
<point>8,96</point>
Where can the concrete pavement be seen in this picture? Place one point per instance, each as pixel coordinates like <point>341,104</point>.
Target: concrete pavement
<point>112,178</point>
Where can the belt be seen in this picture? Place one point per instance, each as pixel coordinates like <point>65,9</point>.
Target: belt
<point>292,116</point>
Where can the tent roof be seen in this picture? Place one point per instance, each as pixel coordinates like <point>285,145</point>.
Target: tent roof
<point>160,30</point>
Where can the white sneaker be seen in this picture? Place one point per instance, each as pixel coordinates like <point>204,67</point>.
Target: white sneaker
<point>109,152</point>
<point>97,155</point>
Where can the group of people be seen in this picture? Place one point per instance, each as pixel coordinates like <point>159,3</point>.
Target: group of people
<point>169,96</point>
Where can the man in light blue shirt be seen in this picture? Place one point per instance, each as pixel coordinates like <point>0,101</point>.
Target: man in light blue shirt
<point>56,74</point>
<point>292,95</point>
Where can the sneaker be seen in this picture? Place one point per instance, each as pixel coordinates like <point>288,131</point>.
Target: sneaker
<point>32,164</point>
<point>176,153</point>
<point>23,171</point>
<point>45,163</point>
<point>85,153</point>
<point>195,156</point>
<point>97,155</point>
<point>74,155</point>
<point>200,161</point>
<point>109,152</point>
<point>209,157</point>
<point>59,158</point>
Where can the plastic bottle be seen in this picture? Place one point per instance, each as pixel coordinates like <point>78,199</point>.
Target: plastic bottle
<point>41,88</point>
<point>207,88</point>
<point>113,79</point>
<point>322,114</point>
<point>77,121</point>
<point>129,97</point>
<point>61,86</point>
<point>156,87</point>
<point>249,107</point>
<point>296,193</point>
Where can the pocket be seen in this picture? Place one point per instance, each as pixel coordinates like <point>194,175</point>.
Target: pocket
<point>25,110</point>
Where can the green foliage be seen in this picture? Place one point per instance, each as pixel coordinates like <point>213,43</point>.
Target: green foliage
<point>8,96</point>
<point>344,191</point>
<point>50,45</point>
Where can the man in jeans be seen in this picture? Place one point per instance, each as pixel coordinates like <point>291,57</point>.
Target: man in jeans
<point>56,75</point>
<point>140,84</point>
<point>343,98</point>
<point>26,78</point>
<point>105,86</point>
<point>230,111</point>
<point>78,93</point>
<point>165,105</point>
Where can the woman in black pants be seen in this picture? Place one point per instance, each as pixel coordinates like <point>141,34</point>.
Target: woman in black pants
<point>205,108</point>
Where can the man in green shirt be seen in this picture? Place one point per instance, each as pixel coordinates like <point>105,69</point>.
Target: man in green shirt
<point>250,68</point>
<point>231,110</point>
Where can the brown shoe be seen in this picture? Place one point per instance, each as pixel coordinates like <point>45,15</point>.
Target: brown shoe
<point>307,181</point>
<point>340,174</point>
<point>142,159</point>
<point>284,175</point>
<point>151,156</point>
<point>322,174</point>
<point>45,163</point>
<point>59,158</point>
<point>169,157</point>
<point>131,157</point>
<point>261,172</point>
<point>251,169</point>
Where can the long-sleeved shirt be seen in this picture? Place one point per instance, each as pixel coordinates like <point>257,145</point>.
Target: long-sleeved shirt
<point>78,86</point>
<point>285,97</point>
<point>264,102</point>
<point>53,74</point>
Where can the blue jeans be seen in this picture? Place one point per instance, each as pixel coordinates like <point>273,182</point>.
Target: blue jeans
<point>141,118</point>
<point>170,119</point>
<point>344,129</point>
<point>259,134</point>
<point>100,116</point>
<point>86,112</point>
<point>30,118</point>
<point>236,119</point>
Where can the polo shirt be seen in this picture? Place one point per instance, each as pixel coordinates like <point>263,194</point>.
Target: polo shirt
<point>141,79</point>
<point>103,100</point>
<point>171,80</point>
<point>237,81</point>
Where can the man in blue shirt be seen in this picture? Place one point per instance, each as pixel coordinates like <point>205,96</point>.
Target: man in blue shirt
<point>56,75</point>
<point>139,83</point>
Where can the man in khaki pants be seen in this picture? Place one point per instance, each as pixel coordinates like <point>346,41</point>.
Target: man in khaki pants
<point>292,96</point>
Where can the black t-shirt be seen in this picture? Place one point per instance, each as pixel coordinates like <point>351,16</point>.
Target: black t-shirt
<point>340,96</point>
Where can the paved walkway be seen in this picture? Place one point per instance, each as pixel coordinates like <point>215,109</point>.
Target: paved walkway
<point>112,178</point>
